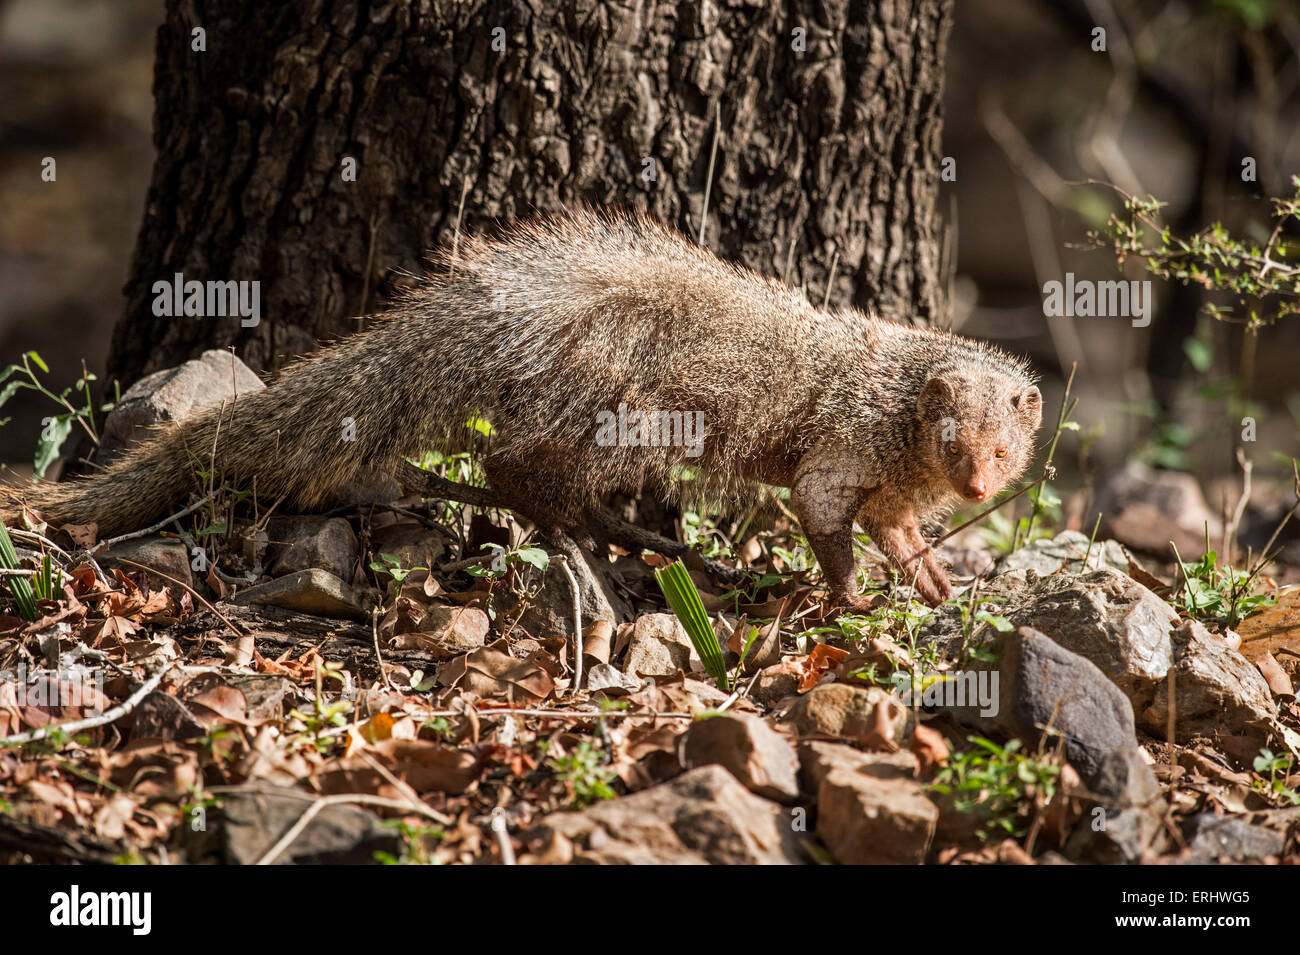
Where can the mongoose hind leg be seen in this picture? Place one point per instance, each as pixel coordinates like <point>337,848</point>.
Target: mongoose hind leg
<point>533,493</point>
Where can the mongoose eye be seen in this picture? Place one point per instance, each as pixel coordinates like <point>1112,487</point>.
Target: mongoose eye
<point>954,450</point>
<point>1000,453</point>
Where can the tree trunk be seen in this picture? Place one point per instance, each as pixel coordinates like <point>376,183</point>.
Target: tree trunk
<point>829,148</point>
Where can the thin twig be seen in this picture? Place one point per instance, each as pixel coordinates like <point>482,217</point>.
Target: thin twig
<point>1230,529</point>
<point>708,181</point>
<point>563,561</point>
<point>412,798</point>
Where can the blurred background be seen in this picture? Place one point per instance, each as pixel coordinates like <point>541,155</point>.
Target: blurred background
<point>1186,91</point>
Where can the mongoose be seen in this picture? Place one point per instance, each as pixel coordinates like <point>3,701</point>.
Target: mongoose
<point>548,330</point>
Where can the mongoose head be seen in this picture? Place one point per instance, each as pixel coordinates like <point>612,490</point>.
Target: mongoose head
<point>977,428</point>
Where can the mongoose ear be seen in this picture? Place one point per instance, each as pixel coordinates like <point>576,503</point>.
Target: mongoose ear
<point>1029,403</point>
<point>937,395</point>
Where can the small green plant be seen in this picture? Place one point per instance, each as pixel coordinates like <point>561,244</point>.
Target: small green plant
<point>323,715</point>
<point>684,599</point>
<point>391,565</point>
<point>416,848</point>
<point>585,775</point>
<point>503,558</point>
<point>439,725</point>
<point>48,581</point>
<point>999,784</point>
<point>1218,594</point>
<point>1277,766</point>
<point>701,531</point>
<point>18,586</point>
<point>56,428</point>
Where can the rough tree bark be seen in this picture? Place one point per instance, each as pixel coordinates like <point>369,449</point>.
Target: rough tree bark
<point>830,146</point>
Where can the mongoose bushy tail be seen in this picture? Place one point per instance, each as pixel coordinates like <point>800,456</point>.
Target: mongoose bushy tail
<point>607,351</point>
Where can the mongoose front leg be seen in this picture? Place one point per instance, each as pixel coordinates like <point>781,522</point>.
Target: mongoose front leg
<point>826,494</point>
<point>894,528</point>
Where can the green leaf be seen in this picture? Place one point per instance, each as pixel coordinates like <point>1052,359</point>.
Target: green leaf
<point>47,448</point>
<point>535,556</point>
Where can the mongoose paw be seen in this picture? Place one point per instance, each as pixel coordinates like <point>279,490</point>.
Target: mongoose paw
<point>934,589</point>
<point>856,603</point>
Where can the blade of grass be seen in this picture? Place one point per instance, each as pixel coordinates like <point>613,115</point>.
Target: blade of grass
<point>18,586</point>
<point>684,599</point>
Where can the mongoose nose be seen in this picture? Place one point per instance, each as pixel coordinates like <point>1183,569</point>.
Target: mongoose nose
<point>975,492</point>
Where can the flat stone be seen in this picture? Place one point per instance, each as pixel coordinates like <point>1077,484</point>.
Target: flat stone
<point>659,646</point>
<point>1064,553</point>
<point>307,591</point>
<point>168,556</point>
<point>1213,839</point>
<point>249,822</point>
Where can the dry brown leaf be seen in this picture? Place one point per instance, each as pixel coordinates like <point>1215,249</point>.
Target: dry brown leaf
<point>930,747</point>
<point>823,659</point>
<point>219,703</point>
<point>490,673</point>
<point>1274,675</point>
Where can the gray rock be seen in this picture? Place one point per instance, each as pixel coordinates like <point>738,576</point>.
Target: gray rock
<point>174,394</point>
<point>1065,551</point>
<point>161,716</point>
<point>1134,638</point>
<point>747,747</point>
<point>307,591</point>
<point>702,817</point>
<point>1216,689</point>
<point>1213,839</point>
<point>1146,509</point>
<point>774,684</point>
<point>550,613</point>
<point>264,694</point>
<point>303,543</point>
<point>249,822</point>
<point>1117,836</point>
<point>1125,779</point>
<point>1042,684</point>
<point>610,680</point>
